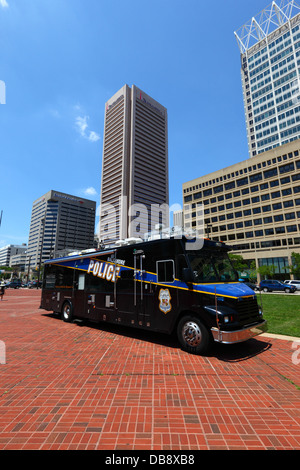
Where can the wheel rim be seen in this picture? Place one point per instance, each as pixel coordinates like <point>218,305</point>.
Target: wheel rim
<point>66,311</point>
<point>191,333</point>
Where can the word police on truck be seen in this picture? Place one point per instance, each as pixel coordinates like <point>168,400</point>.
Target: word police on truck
<point>163,285</point>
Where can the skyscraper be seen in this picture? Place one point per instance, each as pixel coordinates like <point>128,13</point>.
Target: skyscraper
<point>134,190</point>
<point>59,222</point>
<point>270,55</point>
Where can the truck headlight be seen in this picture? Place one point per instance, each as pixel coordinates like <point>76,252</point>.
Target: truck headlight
<point>227,318</point>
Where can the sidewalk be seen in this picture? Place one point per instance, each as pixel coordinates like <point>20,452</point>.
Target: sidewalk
<point>79,386</point>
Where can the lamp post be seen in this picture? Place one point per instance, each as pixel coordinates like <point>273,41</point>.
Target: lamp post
<point>41,251</point>
<point>208,227</point>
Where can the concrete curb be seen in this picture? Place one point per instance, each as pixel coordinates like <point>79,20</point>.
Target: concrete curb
<point>288,338</point>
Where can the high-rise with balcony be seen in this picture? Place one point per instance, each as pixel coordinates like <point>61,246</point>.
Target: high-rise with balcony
<point>270,57</point>
<point>134,187</point>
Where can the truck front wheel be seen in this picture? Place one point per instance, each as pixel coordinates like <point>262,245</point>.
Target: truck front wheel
<point>67,314</point>
<point>193,336</point>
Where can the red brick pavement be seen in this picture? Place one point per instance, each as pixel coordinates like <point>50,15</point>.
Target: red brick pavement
<point>77,386</point>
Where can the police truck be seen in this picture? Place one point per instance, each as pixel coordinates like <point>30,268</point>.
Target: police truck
<point>164,285</point>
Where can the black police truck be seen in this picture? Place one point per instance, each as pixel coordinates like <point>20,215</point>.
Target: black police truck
<point>164,285</point>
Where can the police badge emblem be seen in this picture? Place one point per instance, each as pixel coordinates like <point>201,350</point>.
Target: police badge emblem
<point>165,298</point>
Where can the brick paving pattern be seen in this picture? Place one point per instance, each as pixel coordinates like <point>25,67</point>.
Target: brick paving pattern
<point>79,386</point>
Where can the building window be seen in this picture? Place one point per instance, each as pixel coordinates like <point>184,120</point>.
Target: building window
<point>256,177</point>
<point>291,228</point>
<point>286,168</point>
<point>270,173</point>
<point>229,185</point>
<point>242,181</point>
<point>290,216</point>
<point>287,192</point>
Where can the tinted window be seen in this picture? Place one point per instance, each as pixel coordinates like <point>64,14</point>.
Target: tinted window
<point>165,271</point>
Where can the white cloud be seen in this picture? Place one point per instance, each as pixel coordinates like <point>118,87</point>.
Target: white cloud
<point>90,191</point>
<point>3,4</point>
<point>82,127</point>
<point>93,137</point>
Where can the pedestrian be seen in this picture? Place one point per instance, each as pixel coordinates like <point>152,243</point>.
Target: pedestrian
<point>2,290</point>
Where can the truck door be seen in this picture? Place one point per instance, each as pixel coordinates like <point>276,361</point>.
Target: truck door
<point>79,294</point>
<point>133,292</point>
<point>165,295</point>
<point>143,298</point>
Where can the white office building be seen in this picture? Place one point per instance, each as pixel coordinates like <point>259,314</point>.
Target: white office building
<point>270,58</point>
<point>6,253</point>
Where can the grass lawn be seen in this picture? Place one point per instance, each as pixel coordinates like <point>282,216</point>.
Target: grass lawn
<point>282,311</point>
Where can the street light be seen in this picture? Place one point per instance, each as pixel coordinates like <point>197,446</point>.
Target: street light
<point>41,251</point>
<point>208,227</point>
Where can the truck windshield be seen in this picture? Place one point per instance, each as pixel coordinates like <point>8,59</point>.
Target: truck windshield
<point>212,267</point>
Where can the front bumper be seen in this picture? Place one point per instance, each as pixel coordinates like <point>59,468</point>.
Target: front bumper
<point>230,337</point>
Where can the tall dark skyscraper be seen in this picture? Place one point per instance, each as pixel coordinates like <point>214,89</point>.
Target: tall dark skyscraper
<point>135,187</point>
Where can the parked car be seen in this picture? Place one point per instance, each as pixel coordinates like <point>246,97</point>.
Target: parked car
<point>270,286</point>
<point>34,284</point>
<point>14,284</point>
<point>293,283</point>
<point>248,283</point>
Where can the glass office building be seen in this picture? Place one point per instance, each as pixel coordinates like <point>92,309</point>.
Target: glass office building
<point>270,66</point>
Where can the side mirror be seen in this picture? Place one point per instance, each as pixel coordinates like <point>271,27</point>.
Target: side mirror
<point>187,275</point>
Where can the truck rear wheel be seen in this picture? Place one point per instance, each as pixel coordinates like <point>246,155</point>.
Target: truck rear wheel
<point>67,314</point>
<point>193,336</point>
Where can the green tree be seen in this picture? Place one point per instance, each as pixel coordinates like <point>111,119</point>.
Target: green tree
<point>267,272</point>
<point>253,271</point>
<point>295,266</point>
<point>241,265</point>
<point>238,262</point>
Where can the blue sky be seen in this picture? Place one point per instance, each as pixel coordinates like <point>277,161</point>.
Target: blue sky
<point>61,60</point>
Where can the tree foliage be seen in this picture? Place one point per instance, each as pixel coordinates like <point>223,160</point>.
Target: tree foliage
<point>295,266</point>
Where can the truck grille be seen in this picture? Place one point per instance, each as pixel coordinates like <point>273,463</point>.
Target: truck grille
<point>248,311</point>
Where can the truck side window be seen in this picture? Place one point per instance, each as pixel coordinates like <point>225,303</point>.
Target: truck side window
<point>165,271</point>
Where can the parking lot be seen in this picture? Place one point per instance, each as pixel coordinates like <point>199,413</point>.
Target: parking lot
<point>84,386</point>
